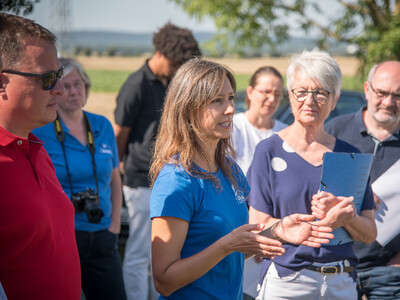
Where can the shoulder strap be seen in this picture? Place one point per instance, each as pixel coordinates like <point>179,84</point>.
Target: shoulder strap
<point>92,149</point>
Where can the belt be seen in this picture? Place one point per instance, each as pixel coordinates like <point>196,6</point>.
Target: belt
<point>330,270</point>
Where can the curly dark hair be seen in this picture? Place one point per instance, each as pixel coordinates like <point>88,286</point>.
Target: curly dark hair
<point>176,44</point>
<point>13,31</point>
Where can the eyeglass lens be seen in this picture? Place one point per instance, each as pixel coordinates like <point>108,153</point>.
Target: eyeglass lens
<point>384,94</point>
<point>50,79</point>
<point>319,95</point>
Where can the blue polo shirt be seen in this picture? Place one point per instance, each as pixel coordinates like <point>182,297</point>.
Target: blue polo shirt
<point>81,167</point>
<point>351,128</point>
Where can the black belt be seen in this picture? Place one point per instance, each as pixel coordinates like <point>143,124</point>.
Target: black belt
<point>329,270</point>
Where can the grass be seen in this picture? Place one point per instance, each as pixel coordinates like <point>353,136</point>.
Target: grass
<point>353,84</point>
<point>107,81</point>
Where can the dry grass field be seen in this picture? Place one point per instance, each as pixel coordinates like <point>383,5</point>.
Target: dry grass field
<point>104,103</point>
<point>242,65</point>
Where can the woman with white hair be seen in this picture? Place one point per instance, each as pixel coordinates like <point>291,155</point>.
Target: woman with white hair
<point>284,177</point>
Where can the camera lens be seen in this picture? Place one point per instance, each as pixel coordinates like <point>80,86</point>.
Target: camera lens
<point>93,212</point>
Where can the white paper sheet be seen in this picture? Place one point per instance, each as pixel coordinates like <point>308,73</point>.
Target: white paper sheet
<point>387,217</point>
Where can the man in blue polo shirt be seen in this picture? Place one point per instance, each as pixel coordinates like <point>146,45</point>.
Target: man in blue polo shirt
<point>376,129</point>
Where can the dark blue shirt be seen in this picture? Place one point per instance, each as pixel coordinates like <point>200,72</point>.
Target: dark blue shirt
<point>283,183</point>
<point>351,128</point>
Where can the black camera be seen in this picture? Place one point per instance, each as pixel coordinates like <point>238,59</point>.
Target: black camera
<point>88,202</point>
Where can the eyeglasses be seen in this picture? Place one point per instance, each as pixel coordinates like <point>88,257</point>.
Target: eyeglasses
<point>269,93</point>
<point>319,95</point>
<point>77,85</point>
<point>384,94</point>
<point>49,79</point>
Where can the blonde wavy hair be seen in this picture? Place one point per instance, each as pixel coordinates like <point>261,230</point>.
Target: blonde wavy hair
<point>195,84</point>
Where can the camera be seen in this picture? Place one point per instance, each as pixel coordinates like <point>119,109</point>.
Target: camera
<point>88,202</point>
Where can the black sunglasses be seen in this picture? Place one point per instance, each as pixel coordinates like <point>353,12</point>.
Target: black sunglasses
<point>49,78</point>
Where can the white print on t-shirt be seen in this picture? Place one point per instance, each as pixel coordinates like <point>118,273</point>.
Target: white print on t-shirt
<point>105,149</point>
<point>238,196</point>
<point>278,164</point>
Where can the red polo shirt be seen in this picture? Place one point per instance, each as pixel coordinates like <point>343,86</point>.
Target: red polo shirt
<point>38,253</point>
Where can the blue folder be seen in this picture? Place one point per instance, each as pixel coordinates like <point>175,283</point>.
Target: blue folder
<point>345,174</point>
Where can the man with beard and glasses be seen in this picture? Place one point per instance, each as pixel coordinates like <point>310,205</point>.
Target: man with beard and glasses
<point>375,129</point>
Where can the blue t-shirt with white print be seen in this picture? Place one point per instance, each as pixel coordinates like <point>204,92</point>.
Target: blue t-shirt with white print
<point>212,212</point>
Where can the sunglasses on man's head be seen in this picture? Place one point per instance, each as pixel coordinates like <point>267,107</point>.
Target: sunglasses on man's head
<point>49,78</point>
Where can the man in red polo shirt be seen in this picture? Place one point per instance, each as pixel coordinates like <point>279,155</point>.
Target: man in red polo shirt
<point>38,252</point>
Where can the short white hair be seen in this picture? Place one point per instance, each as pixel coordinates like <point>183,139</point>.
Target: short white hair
<point>317,65</point>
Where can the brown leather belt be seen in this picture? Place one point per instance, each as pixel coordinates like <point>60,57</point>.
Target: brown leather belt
<point>330,270</point>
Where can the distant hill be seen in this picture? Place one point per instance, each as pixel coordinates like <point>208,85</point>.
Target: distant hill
<point>138,43</point>
<point>126,43</point>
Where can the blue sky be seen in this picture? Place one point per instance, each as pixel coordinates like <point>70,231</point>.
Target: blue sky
<point>118,15</point>
<point>136,15</point>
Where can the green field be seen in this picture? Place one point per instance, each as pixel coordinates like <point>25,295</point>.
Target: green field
<point>106,81</point>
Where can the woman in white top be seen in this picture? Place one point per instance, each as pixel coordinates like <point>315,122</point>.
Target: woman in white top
<point>263,96</point>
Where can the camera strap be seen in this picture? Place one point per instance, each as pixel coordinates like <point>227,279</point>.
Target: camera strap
<point>90,140</point>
